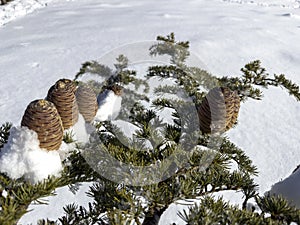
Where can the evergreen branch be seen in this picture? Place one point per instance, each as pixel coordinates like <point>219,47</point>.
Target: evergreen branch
<point>78,215</point>
<point>122,63</point>
<point>93,67</point>
<point>4,133</point>
<point>255,75</point>
<point>21,194</point>
<point>152,216</point>
<point>46,222</point>
<point>243,161</point>
<point>170,89</point>
<point>69,137</point>
<point>211,211</point>
<point>189,79</point>
<point>168,46</point>
<point>281,80</point>
<point>77,169</point>
<point>279,209</point>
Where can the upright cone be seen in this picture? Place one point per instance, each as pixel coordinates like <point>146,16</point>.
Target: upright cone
<point>71,85</point>
<point>42,117</point>
<point>63,96</point>
<point>87,102</point>
<point>219,110</point>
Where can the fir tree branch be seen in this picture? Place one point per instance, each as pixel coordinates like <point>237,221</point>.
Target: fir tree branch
<point>152,217</point>
<point>168,46</point>
<point>21,194</point>
<point>4,133</point>
<point>255,75</point>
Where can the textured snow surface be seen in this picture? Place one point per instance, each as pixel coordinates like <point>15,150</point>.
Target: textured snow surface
<point>53,42</point>
<point>22,156</point>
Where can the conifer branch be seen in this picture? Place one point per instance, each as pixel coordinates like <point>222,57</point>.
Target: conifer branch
<point>4,133</point>
<point>255,75</point>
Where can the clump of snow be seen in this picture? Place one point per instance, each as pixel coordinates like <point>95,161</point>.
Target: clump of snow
<point>19,8</point>
<point>81,130</point>
<point>22,156</point>
<point>81,135</point>
<point>289,188</point>
<point>109,105</point>
<point>4,193</point>
<point>65,149</point>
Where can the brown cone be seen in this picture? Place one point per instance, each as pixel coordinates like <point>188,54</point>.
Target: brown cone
<point>63,97</point>
<point>42,117</point>
<point>219,110</point>
<point>87,102</point>
<point>71,85</point>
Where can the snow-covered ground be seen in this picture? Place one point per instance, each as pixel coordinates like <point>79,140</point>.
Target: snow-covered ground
<point>18,8</point>
<point>51,43</point>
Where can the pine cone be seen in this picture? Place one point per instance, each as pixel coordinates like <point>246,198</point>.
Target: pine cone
<point>87,102</point>
<point>219,110</point>
<point>71,85</point>
<point>63,96</point>
<point>42,117</point>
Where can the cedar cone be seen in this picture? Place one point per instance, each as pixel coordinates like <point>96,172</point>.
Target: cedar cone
<point>42,117</point>
<point>71,85</point>
<point>87,102</point>
<point>219,110</point>
<point>63,96</point>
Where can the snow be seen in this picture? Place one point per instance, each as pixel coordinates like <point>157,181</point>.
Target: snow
<point>109,105</point>
<point>81,130</point>
<point>268,3</point>
<point>18,8</point>
<point>22,156</point>
<point>4,193</point>
<point>289,188</point>
<point>38,49</point>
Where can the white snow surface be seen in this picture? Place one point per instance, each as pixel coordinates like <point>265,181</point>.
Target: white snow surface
<point>22,156</point>
<point>269,3</point>
<point>18,8</point>
<point>80,130</point>
<point>40,48</point>
<point>109,105</point>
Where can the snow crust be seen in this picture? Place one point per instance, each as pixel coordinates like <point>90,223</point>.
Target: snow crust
<point>22,156</point>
